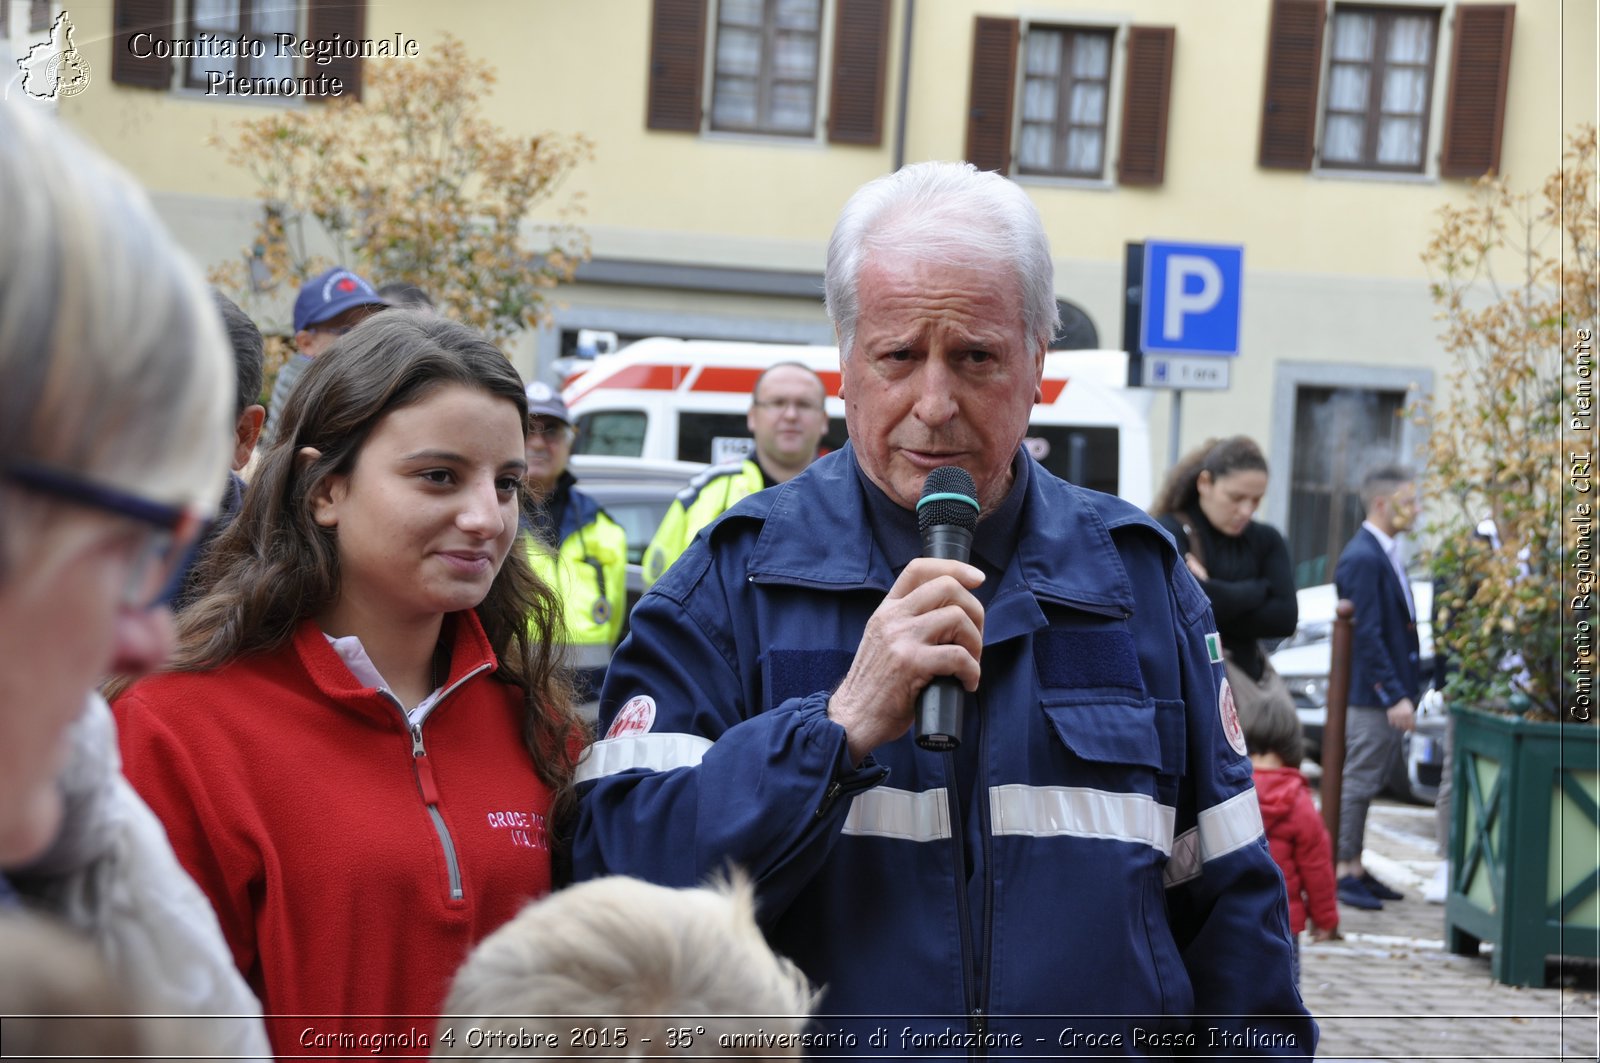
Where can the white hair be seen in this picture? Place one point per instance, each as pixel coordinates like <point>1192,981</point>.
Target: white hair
<point>945,212</point>
<point>617,953</point>
<point>113,360</point>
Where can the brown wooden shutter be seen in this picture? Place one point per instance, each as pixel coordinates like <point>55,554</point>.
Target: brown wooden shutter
<point>1294,65</point>
<point>1146,97</point>
<point>860,54</point>
<point>993,91</point>
<point>677,60</point>
<point>128,18</point>
<point>1475,111</point>
<point>347,18</point>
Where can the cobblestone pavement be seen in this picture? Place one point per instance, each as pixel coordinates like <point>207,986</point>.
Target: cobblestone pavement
<point>1390,990</point>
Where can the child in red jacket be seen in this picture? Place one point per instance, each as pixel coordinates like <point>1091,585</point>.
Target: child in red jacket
<point>1295,831</point>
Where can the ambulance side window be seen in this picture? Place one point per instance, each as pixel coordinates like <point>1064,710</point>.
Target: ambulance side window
<point>619,433</point>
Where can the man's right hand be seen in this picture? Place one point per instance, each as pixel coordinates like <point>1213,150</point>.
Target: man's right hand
<point>929,626</point>
<point>1403,715</point>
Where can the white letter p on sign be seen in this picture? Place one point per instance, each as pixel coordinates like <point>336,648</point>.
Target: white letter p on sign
<point>1179,302</point>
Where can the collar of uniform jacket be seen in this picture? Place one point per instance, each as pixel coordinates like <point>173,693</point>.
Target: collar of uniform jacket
<point>817,533</point>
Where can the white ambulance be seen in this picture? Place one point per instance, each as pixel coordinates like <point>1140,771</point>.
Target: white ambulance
<point>686,400</point>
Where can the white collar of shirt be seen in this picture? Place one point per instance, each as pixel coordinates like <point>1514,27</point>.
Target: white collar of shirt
<point>1390,546</point>
<point>1391,550</point>
<point>355,657</point>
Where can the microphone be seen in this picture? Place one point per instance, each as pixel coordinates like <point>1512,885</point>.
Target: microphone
<point>947,513</point>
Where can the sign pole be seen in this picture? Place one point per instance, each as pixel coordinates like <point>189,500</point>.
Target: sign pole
<point>1177,428</point>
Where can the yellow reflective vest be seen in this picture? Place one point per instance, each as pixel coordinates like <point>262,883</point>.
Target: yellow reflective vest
<point>709,495</point>
<point>589,571</point>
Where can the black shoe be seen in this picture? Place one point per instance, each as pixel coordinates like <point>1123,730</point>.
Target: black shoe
<point>1378,889</point>
<point>1356,895</point>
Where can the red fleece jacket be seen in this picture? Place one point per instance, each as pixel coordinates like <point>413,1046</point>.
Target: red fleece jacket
<point>1300,846</point>
<point>352,863</point>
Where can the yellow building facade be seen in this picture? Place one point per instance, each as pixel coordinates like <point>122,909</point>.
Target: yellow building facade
<point>1320,136</point>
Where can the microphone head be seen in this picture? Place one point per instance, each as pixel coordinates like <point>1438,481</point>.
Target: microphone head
<point>948,497</point>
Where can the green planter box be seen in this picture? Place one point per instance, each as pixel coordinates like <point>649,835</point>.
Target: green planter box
<point>1525,843</point>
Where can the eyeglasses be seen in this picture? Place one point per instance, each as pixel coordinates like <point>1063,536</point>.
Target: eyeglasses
<point>785,405</point>
<point>548,429</point>
<point>161,561</point>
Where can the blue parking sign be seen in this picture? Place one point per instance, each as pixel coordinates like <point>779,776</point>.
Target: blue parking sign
<point>1191,299</point>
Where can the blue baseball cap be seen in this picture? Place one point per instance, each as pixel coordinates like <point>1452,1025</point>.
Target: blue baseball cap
<point>332,293</point>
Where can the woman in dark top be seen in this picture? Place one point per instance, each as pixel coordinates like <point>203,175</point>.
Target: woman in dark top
<point>1207,503</point>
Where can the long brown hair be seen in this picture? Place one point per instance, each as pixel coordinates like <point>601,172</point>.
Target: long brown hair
<point>1180,491</point>
<point>275,565</point>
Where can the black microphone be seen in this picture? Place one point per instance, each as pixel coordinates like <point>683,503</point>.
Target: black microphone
<point>947,513</point>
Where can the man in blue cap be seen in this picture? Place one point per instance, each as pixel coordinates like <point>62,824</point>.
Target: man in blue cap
<point>329,305</point>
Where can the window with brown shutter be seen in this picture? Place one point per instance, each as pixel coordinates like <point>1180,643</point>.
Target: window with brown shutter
<point>1147,93</point>
<point>677,59</point>
<point>347,19</point>
<point>1066,89</point>
<point>860,55</point>
<point>994,70</point>
<point>1294,64</point>
<point>764,77</point>
<point>1476,112</point>
<point>132,17</point>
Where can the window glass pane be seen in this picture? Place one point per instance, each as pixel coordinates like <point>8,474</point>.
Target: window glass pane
<point>1342,138</point>
<point>1033,153</point>
<point>1410,39</point>
<point>1405,89</point>
<point>199,69</point>
<point>1352,35</point>
<point>738,53</point>
<point>1400,142</point>
<point>1091,56</point>
<point>1083,151</point>
<point>216,16</point>
<point>272,16</point>
<point>1039,100</point>
<point>739,13</point>
<point>798,14</point>
<point>733,103</point>
<point>795,56</point>
<point>1347,88</point>
<point>1043,53</point>
<point>273,65</point>
<point>791,107</point>
<point>1088,103</point>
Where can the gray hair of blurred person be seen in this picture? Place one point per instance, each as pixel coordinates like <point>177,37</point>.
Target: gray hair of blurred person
<point>113,363</point>
<point>1384,480</point>
<point>950,213</point>
<point>618,952</point>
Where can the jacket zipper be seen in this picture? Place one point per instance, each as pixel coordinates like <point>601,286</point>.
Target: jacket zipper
<point>430,795</point>
<point>958,845</point>
<point>980,1017</point>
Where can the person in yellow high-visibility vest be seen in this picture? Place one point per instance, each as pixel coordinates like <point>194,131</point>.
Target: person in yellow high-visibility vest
<point>787,421</point>
<point>572,544</point>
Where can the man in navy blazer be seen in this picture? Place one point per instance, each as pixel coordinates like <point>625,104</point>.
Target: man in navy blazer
<point>1385,674</point>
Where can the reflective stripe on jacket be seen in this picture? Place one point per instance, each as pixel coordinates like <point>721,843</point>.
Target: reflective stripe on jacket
<point>709,495</point>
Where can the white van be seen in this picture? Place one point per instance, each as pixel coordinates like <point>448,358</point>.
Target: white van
<point>686,400</point>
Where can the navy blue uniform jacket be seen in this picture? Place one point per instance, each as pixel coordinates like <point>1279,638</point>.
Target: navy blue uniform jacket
<point>1102,860</point>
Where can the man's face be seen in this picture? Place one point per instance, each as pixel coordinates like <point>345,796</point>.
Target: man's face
<point>318,337</point>
<point>548,448</point>
<point>787,418</point>
<point>1402,508</point>
<point>941,374</point>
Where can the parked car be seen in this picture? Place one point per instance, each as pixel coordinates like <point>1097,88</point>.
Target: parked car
<point>635,493</point>
<point>1303,661</point>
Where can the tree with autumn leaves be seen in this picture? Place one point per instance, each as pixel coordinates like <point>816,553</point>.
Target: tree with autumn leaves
<point>411,184</point>
<point>1514,278</point>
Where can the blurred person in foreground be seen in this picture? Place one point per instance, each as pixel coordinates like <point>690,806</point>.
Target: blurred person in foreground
<point>361,746</point>
<point>114,397</point>
<point>573,546</point>
<point>1093,848</point>
<point>1385,669</point>
<point>620,967</point>
<point>787,421</point>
